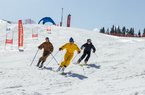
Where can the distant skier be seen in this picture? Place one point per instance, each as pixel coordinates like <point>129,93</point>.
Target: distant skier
<point>48,49</point>
<point>70,49</point>
<point>87,51</point>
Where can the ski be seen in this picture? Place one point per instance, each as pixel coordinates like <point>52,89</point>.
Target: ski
<point>60,73</point>
<point>80,64</point>
<point>66,74</point>
<point>83,64</point>
<point>49,68</point>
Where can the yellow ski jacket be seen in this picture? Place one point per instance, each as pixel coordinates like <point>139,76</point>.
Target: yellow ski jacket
<point>70,48</point>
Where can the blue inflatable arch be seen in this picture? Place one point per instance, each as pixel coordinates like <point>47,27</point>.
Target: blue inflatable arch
<point>45,20</point>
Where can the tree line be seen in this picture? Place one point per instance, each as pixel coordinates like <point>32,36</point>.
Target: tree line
<point>126,32</point>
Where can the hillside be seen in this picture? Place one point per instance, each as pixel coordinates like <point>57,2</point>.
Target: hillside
<point>117,67</point>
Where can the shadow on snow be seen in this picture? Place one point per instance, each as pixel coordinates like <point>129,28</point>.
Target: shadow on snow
<point>72,74</point>
<point>79,76</point>
<point>93,65</point>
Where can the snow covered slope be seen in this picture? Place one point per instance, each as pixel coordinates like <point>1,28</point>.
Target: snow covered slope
<point>117,68</point>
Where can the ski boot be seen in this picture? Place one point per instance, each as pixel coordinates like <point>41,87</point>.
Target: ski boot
<point>78,62</point>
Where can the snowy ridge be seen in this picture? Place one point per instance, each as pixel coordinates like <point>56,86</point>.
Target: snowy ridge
<point>117,68</point>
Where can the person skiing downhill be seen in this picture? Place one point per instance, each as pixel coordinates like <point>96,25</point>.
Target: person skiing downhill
<point>70,47</point>
<point>48,49</point>
<point>87,51</point>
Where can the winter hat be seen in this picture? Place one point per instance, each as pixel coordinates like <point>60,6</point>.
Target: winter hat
<point>47,38</point>
<point>71,40</point>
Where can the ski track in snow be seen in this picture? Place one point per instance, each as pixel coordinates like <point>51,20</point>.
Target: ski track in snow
<point>118,68</point>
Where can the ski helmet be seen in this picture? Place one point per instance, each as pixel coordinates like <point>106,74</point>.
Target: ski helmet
<point>88,40</point>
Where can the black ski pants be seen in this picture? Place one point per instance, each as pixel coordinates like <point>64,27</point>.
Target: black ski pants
<point>86,53</point>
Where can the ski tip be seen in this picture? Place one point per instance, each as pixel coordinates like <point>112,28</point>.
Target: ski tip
<point>65,73</point>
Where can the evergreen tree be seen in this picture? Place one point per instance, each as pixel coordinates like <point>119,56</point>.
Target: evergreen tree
<point>119,30</point>
<point>102,30</point>
<point>115,30</point>
<point>112,30</point>
<point>144,31</point>
<point>127,31</point>
<point>131,32</point>
<point>139,34</point>
<point>108,32</point>
<point>123,30</point>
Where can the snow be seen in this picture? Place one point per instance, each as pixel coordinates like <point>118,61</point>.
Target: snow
<point>96,29</point>
<point>117,67</point>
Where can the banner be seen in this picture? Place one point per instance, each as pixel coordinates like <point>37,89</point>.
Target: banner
<point>9,41</point>
<point>68,20</point>
<point>34,35</point>
<point>20,34</point>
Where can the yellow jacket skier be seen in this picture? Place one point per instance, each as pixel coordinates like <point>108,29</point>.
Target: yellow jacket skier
<point>70,49</point>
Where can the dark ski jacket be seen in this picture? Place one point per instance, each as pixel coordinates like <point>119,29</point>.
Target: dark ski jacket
<point>47,46</point>
<point>87,47</point>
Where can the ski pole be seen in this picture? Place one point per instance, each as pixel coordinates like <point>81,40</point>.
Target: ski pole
<point>83,70</point>
<point>34,57</point>
<point>95,54</point>
<point>74,57</point>
<point>52,58</point>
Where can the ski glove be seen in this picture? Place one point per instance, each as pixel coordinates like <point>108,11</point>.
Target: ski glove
<point>39,47</point>
<point>94,51</point>
<point>60,49</point>
<point>79,52</point>
<point>50,52</point>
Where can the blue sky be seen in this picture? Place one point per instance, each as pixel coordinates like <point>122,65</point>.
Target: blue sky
<point>86,14</point>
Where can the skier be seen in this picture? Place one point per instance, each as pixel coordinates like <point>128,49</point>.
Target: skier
<point>48,49</point>
<point>70,49</point>
<point>87,51</point>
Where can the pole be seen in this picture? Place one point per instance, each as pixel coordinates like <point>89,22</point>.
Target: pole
<point>83,70</point>
<point>12,38</point>
<point>52,58</point>
<point>61,18</point>
<point>5,41</point>
<point>95,54</point>
<point>74,58</point>
<point>55,59</point>
<point>34,57</point>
